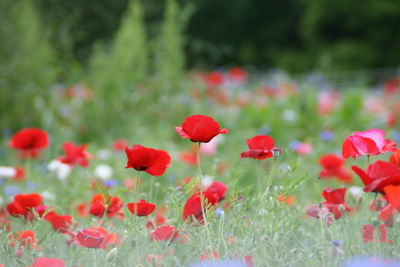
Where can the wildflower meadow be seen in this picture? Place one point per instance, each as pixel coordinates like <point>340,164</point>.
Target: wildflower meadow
<point>132,159</point>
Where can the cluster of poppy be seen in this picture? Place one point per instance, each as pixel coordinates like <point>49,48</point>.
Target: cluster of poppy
<point>380,177</point>
<point>197,128</point>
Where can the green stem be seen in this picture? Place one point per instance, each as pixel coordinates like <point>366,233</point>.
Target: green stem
<point>203,211</point>
<point>137,187</point>
<point>263,197</point>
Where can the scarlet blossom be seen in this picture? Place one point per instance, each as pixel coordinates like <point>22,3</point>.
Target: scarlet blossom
<point>287,199</point>
<point>95,238</point>
<point>370,143</point>
<point>214,78</point>
<point>120,144</point>
<point>393,195</point>
<point>193,206</point>
<point>29,142</point>
<point>61,223</point>
<point>24,238</point>
<point>141,208</point>
<point>23,205</point>
<point>260,147</point>
<point>333,166</point>
<point>47,262</point>
<point>164,233</point>
<point>112,207</point>
<point>335,201</point>
<point>205,256</point>
<point>218,189</point>
<point>378,175</point>
<point>200,128</point>
<point>75,155</point>
<point>237,74</point>
<point>395,158</point>
<point>367,233</point>
<point>150,160</point>
<point>189,157</point>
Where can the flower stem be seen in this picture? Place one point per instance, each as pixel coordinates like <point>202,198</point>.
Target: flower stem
<point>203,211</point>
<point>263,197</point>
<point>137,187</point>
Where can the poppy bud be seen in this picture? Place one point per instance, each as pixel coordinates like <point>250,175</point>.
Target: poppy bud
<point>276,152</point>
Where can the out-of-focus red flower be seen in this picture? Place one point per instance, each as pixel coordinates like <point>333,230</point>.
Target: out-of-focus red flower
<point>303,148</point>
<point>395,158</point>
<point>120,144</point>
<point>206,256</point>
<point>327,102</point>
<point>200,128</point>
<point>47,262</point>
<point>378,175</point>
<point>95,238</point>
<point>150,160</point>
<point>159,218</point>
<point>333,166</point>
<point>141,208</point>
<point>189,157</point>
<point>16,173</point>
<point>214,78</point>
<point>61,223</point>
<point>392,119</point>
<point>23,205</point>
<point>218,189</point>
<point>29,142</point>
<point>164,233</point>
<point>24,239</point>
<point>287,199</point>
<point>393,195</point>
<point>260,147</point>
<point>237,74</point>
<point>112,207</point>
<point>370,143</point>
<point>75,155</point>
<point>248,260</point>
<point>154,259</point>
<point>367,233</point>
<point>335,201</point>
<point>193,206</point>
<point>81,209</point>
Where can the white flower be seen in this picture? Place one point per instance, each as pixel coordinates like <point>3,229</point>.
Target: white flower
<point>103,171</point>
<point>62,170</point>
<point>206,181</point>
<point>48,195</point>
<point>7,172</point>
<point>356,191</point>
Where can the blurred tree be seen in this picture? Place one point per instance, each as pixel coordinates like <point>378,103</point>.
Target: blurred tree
<point>28,66</point>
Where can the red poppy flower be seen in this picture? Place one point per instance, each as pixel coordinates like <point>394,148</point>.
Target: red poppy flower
<point>395,158</point>
<point>189,157</point>
<point>393,195</point>
<point>370,142</point>
<point>205,256</point>
<point>60,223</point>
<point>237,74</point>
<point>164,233</point>
<point>200,128</point>
<point>47,262</point>
<point>120,144</point>
<point>368,233</point>
<point>99,207</point>
<point>24,239</point>
<point>95,238</point>
<point>214,78</point>
<point>333,166</point>
<point>335,201</point>
<point>260,147</point>
<point>150,160</point>
<point>218,189</point>
<point>193,207</point>
<point>75,155</point>
<point>141,208</point>
<point>29,142</point>
<point>22,205</point>
<point>378,175</point>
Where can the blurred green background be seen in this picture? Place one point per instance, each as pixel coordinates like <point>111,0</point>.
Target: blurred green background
<point>133,56</point>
